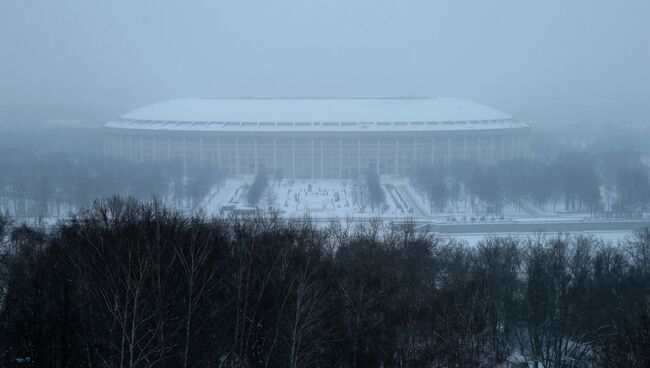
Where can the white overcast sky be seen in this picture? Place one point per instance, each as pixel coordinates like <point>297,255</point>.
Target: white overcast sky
<point>126,53</point>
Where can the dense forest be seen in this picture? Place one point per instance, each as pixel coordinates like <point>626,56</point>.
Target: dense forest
<point>131,284</point>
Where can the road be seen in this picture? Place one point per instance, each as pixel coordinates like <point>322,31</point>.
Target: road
<point>531,227</point>
<point>412,202</point>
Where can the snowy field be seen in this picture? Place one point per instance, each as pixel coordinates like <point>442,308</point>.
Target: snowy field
<point>328,198</point>
<point>335,198</point>
<point>339,198</point>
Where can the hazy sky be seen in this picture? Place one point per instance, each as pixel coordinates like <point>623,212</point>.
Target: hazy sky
<point>126,53</point>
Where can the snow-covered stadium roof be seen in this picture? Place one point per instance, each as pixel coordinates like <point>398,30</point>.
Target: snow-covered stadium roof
<point>265,114</point>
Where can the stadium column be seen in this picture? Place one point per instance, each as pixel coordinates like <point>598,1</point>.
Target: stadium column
<point>201,152</point>
<point>340,157</point>
<point>184,157</point>
<point>218,153</point>
<point>464,148</point>
<point>433,151</point>
<point>396,156</point>
<point>415,150</point>
<point>312,158</point>
<point>377,158</point>
<point>491,148</point>
<point>255,155</point>
<point>321,158</point>
<point>293,158</point>
<point>358,157</point>
<point>448,150</point>
<point>236,156</point>
<point>275,155</point>
<point>131,148</point>
<point>169,149</point>
<point>153,150</point>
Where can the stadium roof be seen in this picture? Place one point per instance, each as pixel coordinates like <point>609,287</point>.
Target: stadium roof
<point>259,114</point>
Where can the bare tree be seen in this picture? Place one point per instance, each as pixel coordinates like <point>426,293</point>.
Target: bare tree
<point>201,276</point>
<point>549,337</point>
<point>310,331</point>
<point>117,272</point>
<point>638,246</point>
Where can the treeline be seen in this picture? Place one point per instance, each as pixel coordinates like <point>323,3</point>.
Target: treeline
<point>126,284</point>
<point>617,183</point>
<point>257,188</point>
<point>376,195</point>
<point>53,185</point>
<point>367,192</point>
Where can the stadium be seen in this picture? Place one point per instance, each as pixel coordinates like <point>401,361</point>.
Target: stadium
<point>316,138</point>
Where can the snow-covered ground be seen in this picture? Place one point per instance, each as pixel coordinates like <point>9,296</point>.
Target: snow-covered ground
<point>322,198</point>
<point>231,193</point>
<point>327,198</point>
<point>340,198</point>
<point>336,198</point>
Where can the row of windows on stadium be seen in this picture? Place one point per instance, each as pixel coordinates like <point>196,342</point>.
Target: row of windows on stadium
<point>245,156</point>
<point>305,124</point>
<point>335,143</point>
<point>330,163</point>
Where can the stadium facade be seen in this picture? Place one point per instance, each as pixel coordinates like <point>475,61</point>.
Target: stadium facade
<point>316,138</point>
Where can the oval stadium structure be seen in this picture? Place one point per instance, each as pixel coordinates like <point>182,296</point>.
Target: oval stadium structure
<point>316,138</point>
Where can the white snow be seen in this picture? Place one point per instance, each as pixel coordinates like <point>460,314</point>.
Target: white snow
<point>230,194</point>
<point>326,198</point>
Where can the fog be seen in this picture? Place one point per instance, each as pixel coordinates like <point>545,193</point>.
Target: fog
<point>324,207</point>
<point>584,59</point>
<point>573,74</point>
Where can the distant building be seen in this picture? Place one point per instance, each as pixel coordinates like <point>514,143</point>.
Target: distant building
<point>316,138</point>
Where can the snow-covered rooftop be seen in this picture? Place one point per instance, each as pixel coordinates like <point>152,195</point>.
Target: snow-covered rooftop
<point>266,114</point>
